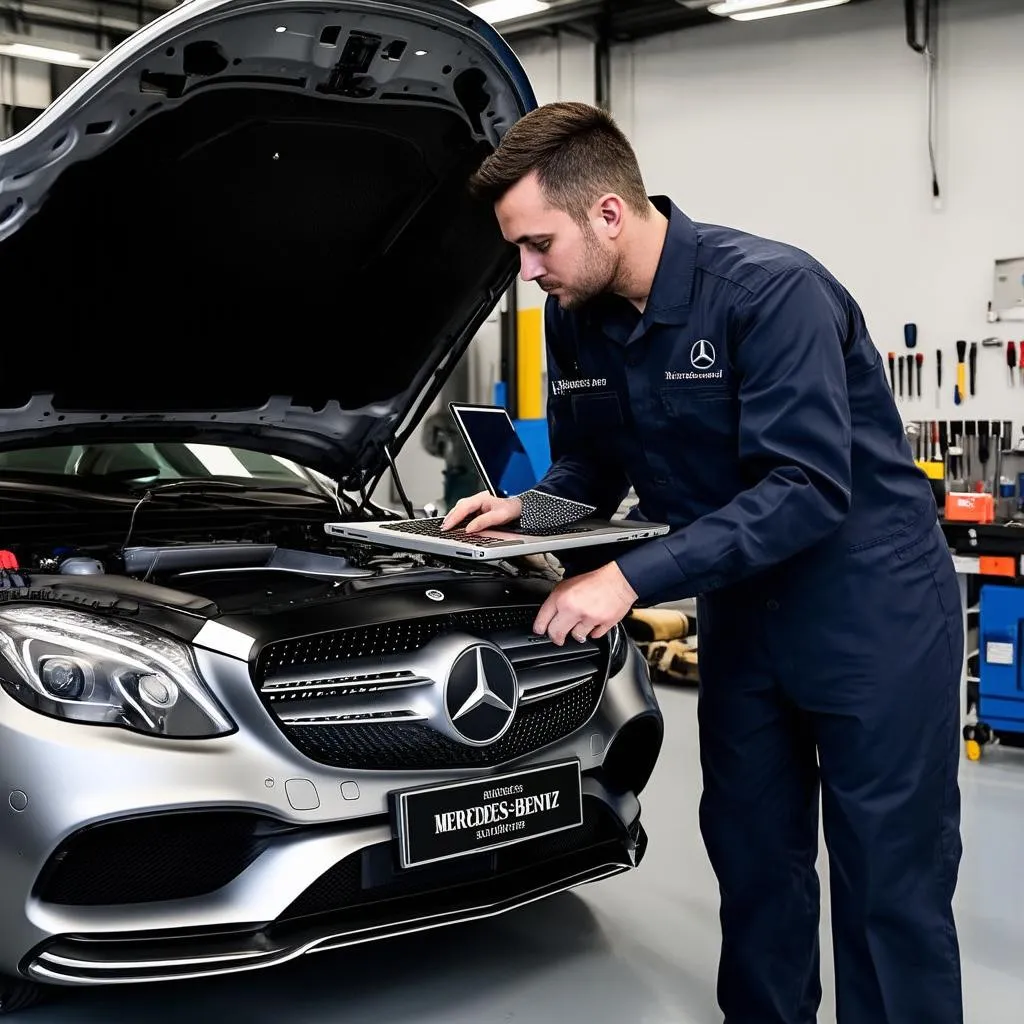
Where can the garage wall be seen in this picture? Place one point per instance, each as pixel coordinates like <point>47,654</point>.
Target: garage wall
<point>24,83</point>
<point>811,128</point>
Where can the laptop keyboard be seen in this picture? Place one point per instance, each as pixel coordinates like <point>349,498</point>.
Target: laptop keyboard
<point>432,528</point>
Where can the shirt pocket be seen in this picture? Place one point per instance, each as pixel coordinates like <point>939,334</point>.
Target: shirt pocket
<point>596,410</point>
<point>707,412</point>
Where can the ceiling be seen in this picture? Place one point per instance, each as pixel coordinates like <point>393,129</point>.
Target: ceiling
<point>614,20</point>
<point>609,20</point>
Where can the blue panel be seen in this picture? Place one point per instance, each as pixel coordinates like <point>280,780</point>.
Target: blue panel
<point>1001,674</point>
<point>534,435</point>
<point>500,394</point>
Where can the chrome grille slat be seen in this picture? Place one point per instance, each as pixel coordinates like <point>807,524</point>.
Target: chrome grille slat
<point>381,718</point>
<point>344,674</point>
<point>540,693</point>
<point>350,687</point>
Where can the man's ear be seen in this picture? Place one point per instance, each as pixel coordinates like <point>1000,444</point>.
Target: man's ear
<point>610,211</point>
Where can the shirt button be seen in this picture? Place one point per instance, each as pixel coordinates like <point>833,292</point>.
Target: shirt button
<point>661,481</point>
<point>633,358</point>
<point>772,605</point>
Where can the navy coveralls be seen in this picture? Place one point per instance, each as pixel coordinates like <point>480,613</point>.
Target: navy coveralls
<point>749,408</point>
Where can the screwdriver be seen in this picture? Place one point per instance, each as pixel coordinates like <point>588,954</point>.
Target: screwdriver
<point>1011,357</point>
<point>938,376</point>
<point>961,371</point>
<point>892,371</point>
<point>973,359</point>
<point>920,362</point>
<point>901,376</point>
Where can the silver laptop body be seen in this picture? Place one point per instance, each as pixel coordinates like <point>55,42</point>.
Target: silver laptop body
<point>498,455</point>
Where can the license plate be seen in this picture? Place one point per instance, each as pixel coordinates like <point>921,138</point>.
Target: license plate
<point>462,818</point>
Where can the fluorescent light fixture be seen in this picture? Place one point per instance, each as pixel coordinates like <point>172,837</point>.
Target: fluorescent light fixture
<point>727,8</point>
<point>44,54</point>
<point>754,10</point>
<point>505,10</point>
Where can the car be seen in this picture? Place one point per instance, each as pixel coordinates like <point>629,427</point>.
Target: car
<point>240,260</point>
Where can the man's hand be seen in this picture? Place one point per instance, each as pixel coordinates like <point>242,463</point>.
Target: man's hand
<point>586,606</point>
<point>493,512</point>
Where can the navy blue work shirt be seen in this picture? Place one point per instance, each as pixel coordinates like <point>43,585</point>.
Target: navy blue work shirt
<point>747,407</point>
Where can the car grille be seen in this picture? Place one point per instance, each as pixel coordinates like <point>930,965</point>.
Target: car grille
<point>354,698</point>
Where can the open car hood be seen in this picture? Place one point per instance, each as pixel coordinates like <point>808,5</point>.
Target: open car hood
<point>249,224</point>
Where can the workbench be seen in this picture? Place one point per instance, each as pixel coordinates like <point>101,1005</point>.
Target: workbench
<point>982,554</point>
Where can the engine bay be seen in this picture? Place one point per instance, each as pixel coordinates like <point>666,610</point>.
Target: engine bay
<point>242,560</point>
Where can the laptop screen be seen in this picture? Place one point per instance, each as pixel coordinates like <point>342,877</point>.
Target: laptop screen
<point>496,449</point>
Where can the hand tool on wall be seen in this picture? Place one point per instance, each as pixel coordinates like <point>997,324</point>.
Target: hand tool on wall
<point>938,376</point>
<point>1011,358</point>
<point>959,389</point>
<point>970,451</point>
<point>973,360</point>
<point>997,444</point>
<point>983,454</point>
<point>920,363</point>
<point>943,438</point>
<point>901,376</point>
<point>892,371</point>
<point>956,455</point>
<point>936,450</point>
<point>910,335</point>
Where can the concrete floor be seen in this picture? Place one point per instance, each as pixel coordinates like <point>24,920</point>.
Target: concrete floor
<point>640,948</point>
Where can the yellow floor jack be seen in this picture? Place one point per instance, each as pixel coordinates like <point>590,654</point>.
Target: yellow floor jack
<point>662,636</point>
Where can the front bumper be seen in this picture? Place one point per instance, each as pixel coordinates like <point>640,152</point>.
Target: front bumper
<point>360,899</point>
<point>137,859</point>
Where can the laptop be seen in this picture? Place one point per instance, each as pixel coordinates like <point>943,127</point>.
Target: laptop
<point>505,469</point>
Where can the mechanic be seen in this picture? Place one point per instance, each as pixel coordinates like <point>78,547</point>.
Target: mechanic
<point>732,382</point>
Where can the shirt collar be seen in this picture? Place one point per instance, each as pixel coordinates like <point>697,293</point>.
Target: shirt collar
<point>671,293</point>
<point>672,290</point>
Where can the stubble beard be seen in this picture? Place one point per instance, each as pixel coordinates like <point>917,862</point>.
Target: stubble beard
<point>596,274</point>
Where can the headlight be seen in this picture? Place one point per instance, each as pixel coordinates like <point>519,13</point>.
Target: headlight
<point>85,669</point>
<point>618,648</point>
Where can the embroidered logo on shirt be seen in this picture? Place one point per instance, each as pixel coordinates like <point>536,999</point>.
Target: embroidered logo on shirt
<point>561,387</point>
<point>702,359</point>
<point>702,355</point>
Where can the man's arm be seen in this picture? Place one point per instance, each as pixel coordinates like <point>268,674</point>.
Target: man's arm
<point>580,469</point>
<point>794,436</point>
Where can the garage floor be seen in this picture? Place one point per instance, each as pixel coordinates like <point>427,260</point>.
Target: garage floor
<point>640,948</point>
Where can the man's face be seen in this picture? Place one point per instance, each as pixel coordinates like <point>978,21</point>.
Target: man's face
<point>568,260</point>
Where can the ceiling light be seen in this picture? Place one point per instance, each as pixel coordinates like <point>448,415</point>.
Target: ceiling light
<point>44,54</point>
<point>505,10</point>
<point>727,8</point>
<point>753,10</point>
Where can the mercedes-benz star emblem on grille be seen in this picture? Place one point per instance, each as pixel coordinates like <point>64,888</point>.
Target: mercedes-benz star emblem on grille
<point>702,355</point>
<point>435,595</point>
<point>482,694</point>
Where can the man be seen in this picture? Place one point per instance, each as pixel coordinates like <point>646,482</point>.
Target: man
<point>731,381</point>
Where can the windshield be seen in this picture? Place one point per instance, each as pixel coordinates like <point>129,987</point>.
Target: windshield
<point>145,463</point>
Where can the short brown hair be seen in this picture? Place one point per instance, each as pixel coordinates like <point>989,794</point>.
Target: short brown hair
<point>578,152</point>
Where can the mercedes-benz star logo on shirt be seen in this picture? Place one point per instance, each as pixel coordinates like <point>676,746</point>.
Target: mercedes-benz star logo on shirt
<point>482,694</point>
<point>702,355</point>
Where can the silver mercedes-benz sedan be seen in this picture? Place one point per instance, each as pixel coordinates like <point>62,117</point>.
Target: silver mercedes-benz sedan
<point>240,260</point>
